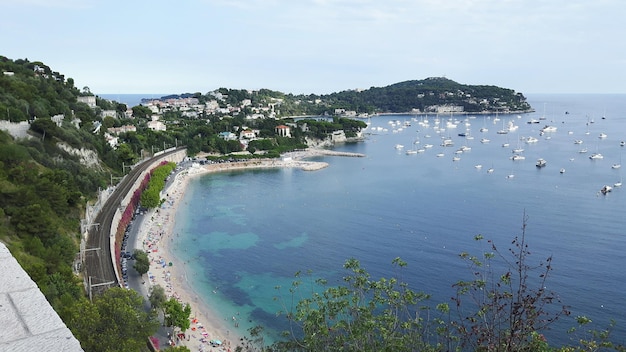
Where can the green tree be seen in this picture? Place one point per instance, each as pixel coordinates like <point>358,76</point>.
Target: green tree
<point>126,154</point>
<point>177,349</point>
<point>34,220</point>
<point>362,315</point>
<point>150,197</point>
<point>115,321</point>
<point>142,262</point>
<point>141,111</point>
<point>509,310</point>
<point>177,314</point>
<point>157,297</point>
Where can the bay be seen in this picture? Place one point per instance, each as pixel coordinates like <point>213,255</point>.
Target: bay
<point>243,233</point>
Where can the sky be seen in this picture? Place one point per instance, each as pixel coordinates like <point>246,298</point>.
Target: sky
<point>320,46</point>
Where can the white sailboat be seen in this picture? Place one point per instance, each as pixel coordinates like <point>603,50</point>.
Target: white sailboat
<point>617,165</point>
<point>596,155</point>
<point>484,128</point>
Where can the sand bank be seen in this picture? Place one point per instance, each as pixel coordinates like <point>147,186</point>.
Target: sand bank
<point>155,236</point>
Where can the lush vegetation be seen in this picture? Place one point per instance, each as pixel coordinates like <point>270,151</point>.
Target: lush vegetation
<point>151,196</point>
<point>115,321</point>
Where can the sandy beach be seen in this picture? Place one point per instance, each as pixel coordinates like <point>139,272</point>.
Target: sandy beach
<point>156,233</point>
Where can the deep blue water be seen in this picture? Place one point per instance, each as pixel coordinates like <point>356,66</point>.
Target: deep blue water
<point>244,233</point>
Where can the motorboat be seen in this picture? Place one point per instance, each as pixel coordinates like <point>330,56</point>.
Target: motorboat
<point>541,163</point>
<point>531,140</point>
<point>596,156</point>
<point>547,129</point>
<point>447,143</point>
<point>606,189</point>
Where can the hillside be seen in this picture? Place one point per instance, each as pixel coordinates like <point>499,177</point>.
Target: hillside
<point>48,171</point>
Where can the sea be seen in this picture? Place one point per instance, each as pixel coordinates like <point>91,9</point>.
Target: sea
<point>130,99</point>
<point>243,235</point>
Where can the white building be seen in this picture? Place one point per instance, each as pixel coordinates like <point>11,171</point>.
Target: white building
<point>156,125</point>
<point>89,100</point>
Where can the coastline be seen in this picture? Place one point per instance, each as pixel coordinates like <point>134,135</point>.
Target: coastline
<point>156,235</point>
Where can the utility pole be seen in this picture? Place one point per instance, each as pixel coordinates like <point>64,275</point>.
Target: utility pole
<point>97,285</point>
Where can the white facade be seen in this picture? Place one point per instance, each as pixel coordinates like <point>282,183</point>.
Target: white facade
<point>89,100</point>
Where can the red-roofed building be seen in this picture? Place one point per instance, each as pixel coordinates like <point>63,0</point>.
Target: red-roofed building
<point>283,131</point>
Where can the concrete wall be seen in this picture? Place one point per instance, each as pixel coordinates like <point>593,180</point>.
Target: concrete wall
<point>28,321</point>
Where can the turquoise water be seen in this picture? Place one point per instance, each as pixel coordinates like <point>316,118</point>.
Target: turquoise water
<point>243,233</point>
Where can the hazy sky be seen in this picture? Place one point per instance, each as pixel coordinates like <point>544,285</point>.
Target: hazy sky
<point>321,46</point>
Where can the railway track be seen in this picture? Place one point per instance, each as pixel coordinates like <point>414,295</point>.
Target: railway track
<point>99,264</point>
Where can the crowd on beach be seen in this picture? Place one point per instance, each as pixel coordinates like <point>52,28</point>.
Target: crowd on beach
<point>155,233</point>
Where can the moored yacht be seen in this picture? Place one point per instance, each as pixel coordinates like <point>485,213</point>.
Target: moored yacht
<point>548,128</point>
<point>541,163</point>
<point>596,156</point>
